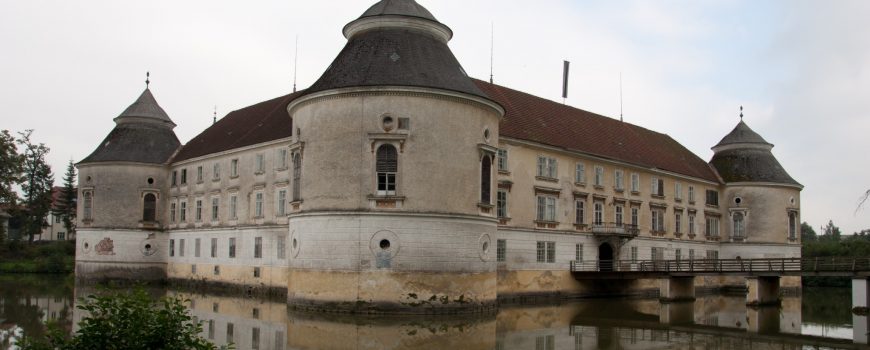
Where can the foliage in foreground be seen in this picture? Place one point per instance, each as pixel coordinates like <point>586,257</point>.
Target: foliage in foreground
<point>128,320</point>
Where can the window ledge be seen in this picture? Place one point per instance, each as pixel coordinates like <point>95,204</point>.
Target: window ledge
<point>692,202</point>
<point>546,224</point>
<point>215,179</point>
<point>691,235</point>
<point>260,172</point>
<point>281,168</point>
<point>234,176</point>
<point>658,196</point>
<point>504,220</point>
<point>635,193</point>
<point>386,202</point>
<point>580,226</point>
<point>598,187</point>
<point>580,184</point>
<point>712,206</point>
<point>712,238</point>
<point>546,178</point>
<point>485,205</point>
<point>504,172</point>
<point>677,199</point>
<point>618,190</point>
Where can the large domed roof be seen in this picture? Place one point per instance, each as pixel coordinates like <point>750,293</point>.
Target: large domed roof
<point>744,156</point>
<point>409,8</point>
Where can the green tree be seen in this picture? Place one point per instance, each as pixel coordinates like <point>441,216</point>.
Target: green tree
<point>128,320</point>
<point>66,202</point>
<point>11,164</point>
<point>830,232</point>
<point>36,184</point>
<point>807,233</point>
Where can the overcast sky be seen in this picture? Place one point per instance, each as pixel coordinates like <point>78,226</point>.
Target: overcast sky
<point>800,68</point>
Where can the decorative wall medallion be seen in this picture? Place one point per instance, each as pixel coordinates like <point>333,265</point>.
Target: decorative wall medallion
<point>485,245</point>
<point>385,246</point>
<point>105,247</point>
<point>86,246</point>
<point>148,247</point>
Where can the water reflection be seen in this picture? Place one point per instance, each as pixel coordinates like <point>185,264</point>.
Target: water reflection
<point>712,322</point>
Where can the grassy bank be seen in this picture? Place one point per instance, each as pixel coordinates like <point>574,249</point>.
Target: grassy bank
<point>37,257</point>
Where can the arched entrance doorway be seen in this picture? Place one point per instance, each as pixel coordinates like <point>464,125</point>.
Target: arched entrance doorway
<point>605,257</point>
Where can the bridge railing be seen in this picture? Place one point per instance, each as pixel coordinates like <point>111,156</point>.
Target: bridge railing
<point>830,264</point>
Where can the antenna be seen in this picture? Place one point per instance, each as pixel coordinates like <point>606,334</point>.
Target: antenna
<point>295,61</point>
<point>147,79</point>
<point>620,96</point>
<point>491,48</point>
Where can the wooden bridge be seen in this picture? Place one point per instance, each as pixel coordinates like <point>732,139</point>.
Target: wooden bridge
<point>762,275</point>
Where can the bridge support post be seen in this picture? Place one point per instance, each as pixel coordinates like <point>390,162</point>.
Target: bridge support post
<point>859,295</point>
<point>676,289</point>
<point>763,320</point>
<point>677,313</point>
<point>762,291</point>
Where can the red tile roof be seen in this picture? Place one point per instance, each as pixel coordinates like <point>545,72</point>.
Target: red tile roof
<point>262,122</point>
<point>527,117</point>
<point>539,120</point>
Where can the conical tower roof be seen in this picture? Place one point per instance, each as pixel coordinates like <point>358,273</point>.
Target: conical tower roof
<point>396,43</point>
<point>142,134</point>
<point>744,156</point>
<point>145,107</point>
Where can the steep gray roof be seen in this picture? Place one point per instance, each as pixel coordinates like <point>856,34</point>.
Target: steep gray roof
<point>408,8</point>
<point>742,134</point>
<point>744,156</point>
<point>396,57</point>
<point>142,134</point>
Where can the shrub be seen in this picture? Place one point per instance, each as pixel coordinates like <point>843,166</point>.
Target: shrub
<point>128,320</point>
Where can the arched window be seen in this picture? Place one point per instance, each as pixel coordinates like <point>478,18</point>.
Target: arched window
<point>386,167</point>
<point>297,176</point>
<point>739,228</point>
<point>149,207</point>
<point>486,180</point>
<point>792,225</point>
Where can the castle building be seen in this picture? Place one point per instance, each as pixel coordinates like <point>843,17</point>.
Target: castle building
<point>396,182</point>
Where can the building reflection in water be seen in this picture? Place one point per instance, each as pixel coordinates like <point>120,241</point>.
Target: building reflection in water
<point>712,322</point>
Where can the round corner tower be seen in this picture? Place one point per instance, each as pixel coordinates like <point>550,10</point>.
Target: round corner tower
<point>394,146</point>
<point>122,192</point>
<point>762,200</point>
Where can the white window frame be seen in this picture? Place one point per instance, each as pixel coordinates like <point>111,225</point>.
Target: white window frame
<point>234,207</point>
<point>234,167</point>
<point>546,208</point>
<point>618,180</point>
<point>547,167</point>
<point>215,209</point>
<point>580,173</point>
<point>599,176</point>
<point>619,215</point>
<point>258,204</point>
<point>260,163</point>
<point>635,182</point>
<point>281,207</point>
<point>580,211</point>
<point>502,157</point>
<point>597,213</point>
<point>501,200</point>
<point>678,191</point>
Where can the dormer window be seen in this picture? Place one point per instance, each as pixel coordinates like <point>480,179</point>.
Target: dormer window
<point>387,168</point>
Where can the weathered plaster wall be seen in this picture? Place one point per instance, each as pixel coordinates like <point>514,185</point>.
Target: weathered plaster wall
<point>118,190</point>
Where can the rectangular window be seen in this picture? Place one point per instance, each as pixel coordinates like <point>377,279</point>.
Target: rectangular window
<point>691,194</point>
<point>183,176</point>
<point>658,187</point>
<point>211,329</point>
<point>546,252</point>
<point>234,167</point>
<point>501,250</point>
<point>580,173</point>
<point>61,236</point>
<point>215,206</point>
<point>230,331</point>
<point>216,171</point>
<point>598,214</point>
<point>792,225</point>
<point>618,180</point>
<point>713,254</point>
<point>256,272</point>
<point>502,160</point>
<point>255,338</point>
<point>691,224</point>
<point>618,214</point>
<point>658,220</point>
<point>172,212</point>
<point>174,180</point>
<point>234,201</point>
<point>56,219</point>
<point>282,247</point>
<point>171,247</point>
<point>282,202</point>
<point>199,174</point>
<point>214,247</point>
<point>232,247</point>
<point>691,254</point>
<point>599,176</point>
<point>634,217</point>
<point>258,247</point>
<point>198,210</point>
<point>678,191</point>
<point>217,270</point>
<point>654,253</point>
<point>579,211</point>
<point>634,254</point>
<point>88,205</point>
<point>546,208</point>
<point>193,270</point>
<point>578,253</point>
<point>635,182</point>
<point>713,198</point>
<point>281,157</point>
<point>258,205</point>
<point>196,247</point>
<point>678,222</point>
<point>712,226</point>
<point>260,163</point>
<point>181,247</point>
<point>183,212</point>
<point>678,254</point>
<point>547,167</point>
<point>501,203</point>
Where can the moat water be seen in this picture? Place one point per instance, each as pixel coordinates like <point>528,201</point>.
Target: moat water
<point>818,319</point>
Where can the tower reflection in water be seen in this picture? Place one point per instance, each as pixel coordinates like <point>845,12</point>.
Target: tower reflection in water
<point>712,322</point>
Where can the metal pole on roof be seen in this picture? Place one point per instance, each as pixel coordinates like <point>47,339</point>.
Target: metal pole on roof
<point>295,61</point>
<point>491,48</point>
<point>620,96</point>
<point>565,66</point>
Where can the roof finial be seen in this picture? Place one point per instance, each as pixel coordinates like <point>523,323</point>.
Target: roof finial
<point>491,48</point>
<point>295,61</point>
<point>147,79</point>
<point>214,118</point>
<point>741,113</point>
